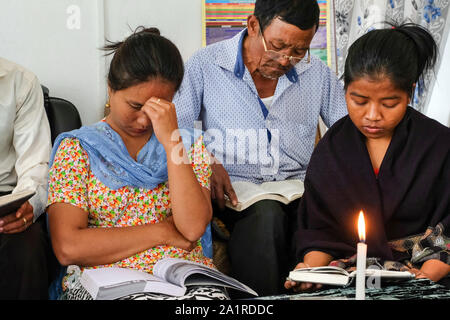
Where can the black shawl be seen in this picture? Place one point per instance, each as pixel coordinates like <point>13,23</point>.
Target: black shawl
<point>411,193</point>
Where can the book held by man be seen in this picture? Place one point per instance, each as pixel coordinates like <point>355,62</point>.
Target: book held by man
<point>12,202</point>
<point>340,277</point>
<point>249,193</point>
<point>171,276</point>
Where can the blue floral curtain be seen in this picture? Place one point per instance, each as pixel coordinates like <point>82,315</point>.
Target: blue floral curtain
<point>353,18</point>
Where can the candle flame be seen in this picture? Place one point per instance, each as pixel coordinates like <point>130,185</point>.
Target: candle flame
<point>361,227</point>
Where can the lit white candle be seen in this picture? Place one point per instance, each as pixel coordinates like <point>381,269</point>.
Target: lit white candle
<point>361,260</point>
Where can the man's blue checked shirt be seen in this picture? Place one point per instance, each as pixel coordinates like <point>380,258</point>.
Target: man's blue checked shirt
<point>252,142</point>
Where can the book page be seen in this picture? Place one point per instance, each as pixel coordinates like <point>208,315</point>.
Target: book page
<point>325,275</point>
<point>290,189</point>
<point>246,191</point>
<point>12,202</point>
<point>386,274</point>
<point>324,269</point>
<point>15,196</point>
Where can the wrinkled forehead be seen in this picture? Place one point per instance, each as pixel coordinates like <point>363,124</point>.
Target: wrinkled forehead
<point>288,34</point>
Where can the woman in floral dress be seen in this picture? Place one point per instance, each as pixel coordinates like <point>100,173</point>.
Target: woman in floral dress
<point>127,191</point>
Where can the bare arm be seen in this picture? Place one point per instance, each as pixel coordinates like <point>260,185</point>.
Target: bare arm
<point>191,204</point>
<point>434,270</point>
<point>317,259</point>
<point>75,243</point>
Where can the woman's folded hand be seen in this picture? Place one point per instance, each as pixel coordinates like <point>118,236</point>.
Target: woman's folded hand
<point>175,238</point>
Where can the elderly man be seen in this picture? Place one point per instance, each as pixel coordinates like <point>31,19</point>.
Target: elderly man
<point>24,154</point>
<point>262,84</point>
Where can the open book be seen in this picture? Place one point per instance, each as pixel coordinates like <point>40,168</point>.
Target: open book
<point>12,202</point>
<point>249,193</point>
<point>340,277</point>
<point>171,276</point>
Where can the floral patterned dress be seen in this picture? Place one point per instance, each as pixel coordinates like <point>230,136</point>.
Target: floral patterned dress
<point>71,181</point>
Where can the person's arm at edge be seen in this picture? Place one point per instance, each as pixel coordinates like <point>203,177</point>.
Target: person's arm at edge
<point>31,141</point>
<point>33,145</point>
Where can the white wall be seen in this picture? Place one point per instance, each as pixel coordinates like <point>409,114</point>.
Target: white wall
<point>178,20</point>
<point>35,34</point>
<point>439,105</point>
<point>44,36</point>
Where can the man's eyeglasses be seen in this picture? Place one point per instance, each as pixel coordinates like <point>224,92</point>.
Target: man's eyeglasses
<point>275,55</point>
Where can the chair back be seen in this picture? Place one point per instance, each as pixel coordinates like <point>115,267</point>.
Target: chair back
<point>62,115</point>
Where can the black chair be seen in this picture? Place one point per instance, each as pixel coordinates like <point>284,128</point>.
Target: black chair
<point>62,115</point>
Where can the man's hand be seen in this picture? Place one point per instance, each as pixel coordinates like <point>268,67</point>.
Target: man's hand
<point>221,185</point>
<point>19,221</point>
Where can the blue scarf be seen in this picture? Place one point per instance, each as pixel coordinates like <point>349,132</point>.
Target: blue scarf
<point>111,163</point>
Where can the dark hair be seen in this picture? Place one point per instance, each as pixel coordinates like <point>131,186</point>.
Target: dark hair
<point>401,52</point>
<point>143,56</point>
<point>303,14</point>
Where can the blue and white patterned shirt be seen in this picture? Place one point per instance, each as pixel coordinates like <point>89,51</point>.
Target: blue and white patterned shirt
<point>253,143</point>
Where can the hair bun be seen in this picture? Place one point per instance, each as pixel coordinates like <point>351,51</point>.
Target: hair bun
<point>144,55</point>
<point>153,30</point>
<point>143,29</point>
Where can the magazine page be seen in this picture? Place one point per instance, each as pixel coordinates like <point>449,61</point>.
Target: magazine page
<point>177,271</point>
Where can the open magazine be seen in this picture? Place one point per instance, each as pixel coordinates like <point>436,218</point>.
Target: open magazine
<point>249,193</point>
<point>171,276</point>
<point>340,277</point>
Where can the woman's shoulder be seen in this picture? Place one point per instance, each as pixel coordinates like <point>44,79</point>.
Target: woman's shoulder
<point>428,128</point>
<point>70,143</point>
<point>332,143</point>
<point>73,138</point>
<point>339,129</point>
<point>427,122</point>
<point>70,148</point>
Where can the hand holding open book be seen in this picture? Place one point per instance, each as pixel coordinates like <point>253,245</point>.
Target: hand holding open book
<point>249,193</point>
<point>12,202</point>
<point>340,277</point>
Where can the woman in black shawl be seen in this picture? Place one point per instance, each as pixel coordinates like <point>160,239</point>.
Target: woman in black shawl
<point>385,159</point>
